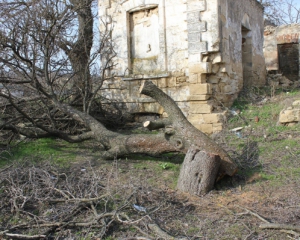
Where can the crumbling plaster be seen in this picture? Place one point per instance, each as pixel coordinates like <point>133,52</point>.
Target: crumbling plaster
<point>200,60</point>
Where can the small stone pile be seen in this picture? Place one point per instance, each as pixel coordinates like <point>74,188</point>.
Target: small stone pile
<point>291,115</point>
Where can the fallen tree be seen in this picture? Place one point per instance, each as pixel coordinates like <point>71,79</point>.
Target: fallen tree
<point>48,89</point>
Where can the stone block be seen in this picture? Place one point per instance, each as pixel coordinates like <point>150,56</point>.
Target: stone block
<point>213,118</point>
<point>217,59</point>
<point>287,116</point>
<point>296,104</point>
<point>199,107</point>
<point>196,27</point>
<point>194,58</point>
<point>193,16</point>
<point>202,78</point>
<point>202,67</point>
<point>152,108</point>
<point>196,5</point>
<point>193,78</point>
<point>180,80</point>
<point>200,89</point>
<point>198,97</point>
<point>162,83</point>
<point>195,119</point>
<point>194,37</point>
<point>171,82</point>
<point>217,127</point>
<point>197,47</point>
<point>227,89</point>
<point>215,68</point>
<point>178,74</point>
<point>205,128</point>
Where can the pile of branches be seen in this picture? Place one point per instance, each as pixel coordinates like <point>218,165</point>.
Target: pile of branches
<point>43,201</point>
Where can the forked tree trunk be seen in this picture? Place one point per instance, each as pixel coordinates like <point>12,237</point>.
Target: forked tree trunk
<point>205,161</point>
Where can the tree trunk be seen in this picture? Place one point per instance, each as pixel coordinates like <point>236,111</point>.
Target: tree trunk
<point>206,159</point>
<point>198,172</point>
<point>185,132</point>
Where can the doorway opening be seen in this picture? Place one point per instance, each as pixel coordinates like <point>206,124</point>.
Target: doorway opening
<point>288,59</point>
<point>247,57</point>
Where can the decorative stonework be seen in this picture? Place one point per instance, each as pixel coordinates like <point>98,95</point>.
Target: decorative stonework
<point>195,26</point>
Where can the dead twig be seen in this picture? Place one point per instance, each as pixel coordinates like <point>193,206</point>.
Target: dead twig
<point>22,236</point>
<point>79,200</point>
<point>279,226</point>
<point>252,213</point>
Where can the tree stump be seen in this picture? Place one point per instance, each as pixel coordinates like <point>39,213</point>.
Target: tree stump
<point>198,172</point>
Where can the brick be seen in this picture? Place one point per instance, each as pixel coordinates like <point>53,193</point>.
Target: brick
<point>217,127</point>
<point>200,89</point>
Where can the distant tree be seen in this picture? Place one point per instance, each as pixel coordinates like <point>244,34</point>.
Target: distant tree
<point>281,12</point>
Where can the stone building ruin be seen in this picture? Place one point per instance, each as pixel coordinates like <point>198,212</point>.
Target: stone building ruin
<point>282,51</point>
<point>201,53</point>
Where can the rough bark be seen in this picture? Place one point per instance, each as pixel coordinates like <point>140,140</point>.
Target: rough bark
<point>186,132</point>
<point>198,172</point>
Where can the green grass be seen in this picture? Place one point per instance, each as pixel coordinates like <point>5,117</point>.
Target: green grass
<point>60,152</point>
<point>277,145</point>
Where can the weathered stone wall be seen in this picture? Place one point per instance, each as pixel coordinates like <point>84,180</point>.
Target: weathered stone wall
<point>241,49</point>
<point>192,49</point>
<point>283,40</point>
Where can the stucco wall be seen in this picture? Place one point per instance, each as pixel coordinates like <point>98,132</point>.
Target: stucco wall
<point>198,59</point>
